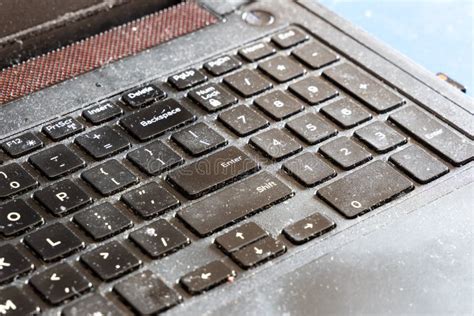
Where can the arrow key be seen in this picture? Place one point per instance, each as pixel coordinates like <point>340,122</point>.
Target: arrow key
<point>240,237</point>
<point>258,252</point>
<point>207,277</point>
<point>308,228</point>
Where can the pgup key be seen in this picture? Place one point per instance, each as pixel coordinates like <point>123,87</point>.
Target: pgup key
<point>14,179</point>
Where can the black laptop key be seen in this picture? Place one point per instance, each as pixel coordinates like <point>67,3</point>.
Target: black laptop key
<point>60,283</point>
<point>240,237</point>
<point>142,96</point>
<point>15,302</point>
<point>315,55</point>
<point>207,277</point>
<point>212,172</point>
<point>222,65</point>
<point>16,217</point>
<point>103,221</point>
<point>351,195</point>
<point>212,97</point>
<point>102,142</point>
<point>111,261</point>
<point>159,239</point>
<point>147,294</point>
<point>109,177</point>
<point>57,161</point>
<point>311,128</point>
<point>227,206</point>
<point>345,153</point>
<point>346,113</point>
<point>364,88</point>
<point>155,157</point>
<point>53,242</point>
<point>14,179</point>
<point>309,170</point>
<point>419,164</point>
<point>63,197</point>
<point>63,128</point>
<point>259,252</point>
<point>157,119</point>
<point>150,200</point>
<point>247,82</point>
<point>94,305</point>
<point>289,38</point>
<point>380,137</point>
<point>199,139</point>
<point>308,228</point>
<point>22,145</point>
<point>187,79</point>
<point>313,90</point>
<point>257,51</point>
<point>275,144</point>
<point>242,120</point>
<point>102,113</point>
<point>12,264</point>
<point>279,105</point>
<point>282,68</point>
<point>456,149</point>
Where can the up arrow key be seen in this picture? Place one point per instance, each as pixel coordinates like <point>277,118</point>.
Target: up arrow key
<point>239,235</point>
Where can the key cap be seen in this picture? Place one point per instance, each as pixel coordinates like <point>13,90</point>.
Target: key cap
<point>199,139</point>
<point>109,177</point>
<point>311,128</point>
<point>257,51</point>
<point>240,237</point>
<point>282,68</point>
<point>289,38</point>
<point>60,283</point>
<point>12,264</point>
<point>101,113</point>
<point>275,144</point>
<point>212,172</point>
<point>242,120</point>
<point>53,242</point>
<point>57,161</point>
<point>346,113</point>
<point>259,252</point>
<point>14,179</point>
<point>159,239</point>
<point>22,145</point>
<point>63,197</point>
<point>309,170</point>
<point>222,65</point>
<point>315,55</point>
<point>365,189</point>
<point>15,302</point>
<point>313,90</point>
<point>247,82</point>
<point>187,79</point>
<point>278,104</point>
<point>308,228</point>
<point>380,137</point>
<point>345,153</point>
<point>17,217</point>
<point>150,200</point>
<point>443,140</point>
<point>102,142</point>
<point>95,305</point>
<point>156,119</point>
<point>364,88</point>
<point>147,294</point>
<point>227,206</point>
<point>418,164</point>
<point>155,158</point>
<point>212,97</point>
<point>63,128</point>
<point>111,261</point>
<point>207,277</point>
<point>143,96</point>
<point>103,221</point>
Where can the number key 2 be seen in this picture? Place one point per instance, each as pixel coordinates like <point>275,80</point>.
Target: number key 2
<point>345,153</point>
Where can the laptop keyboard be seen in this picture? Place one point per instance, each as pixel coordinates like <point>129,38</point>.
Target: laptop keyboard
<point>146,174</point>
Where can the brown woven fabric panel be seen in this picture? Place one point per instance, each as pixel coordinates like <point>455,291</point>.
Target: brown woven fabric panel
<point>94,52</point>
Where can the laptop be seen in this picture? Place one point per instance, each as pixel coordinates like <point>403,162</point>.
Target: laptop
<point>226,158</point>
